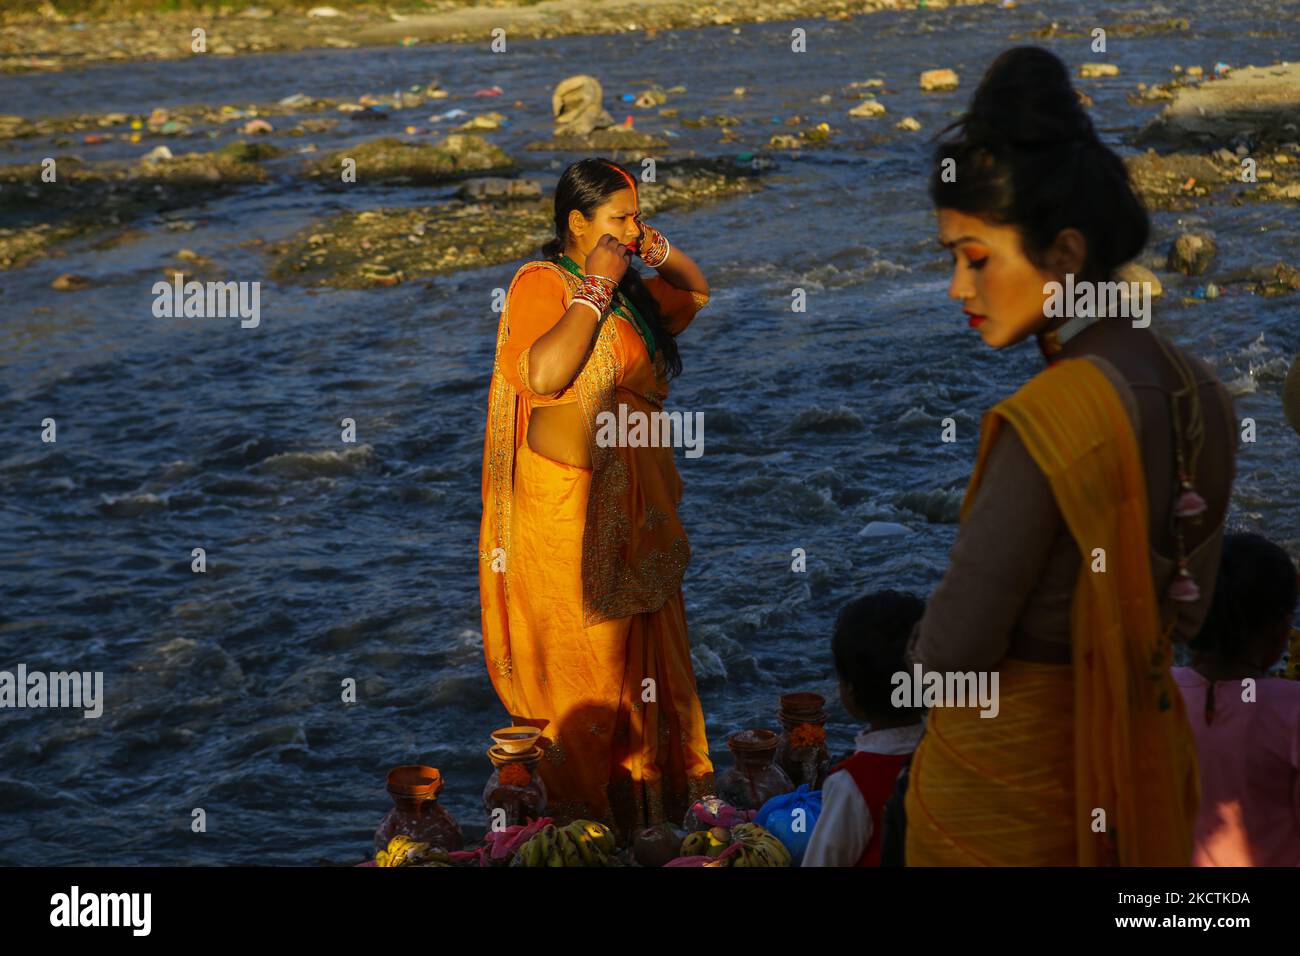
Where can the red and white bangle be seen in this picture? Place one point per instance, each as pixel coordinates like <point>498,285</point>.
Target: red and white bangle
<point>597,292</point>
<point>653,247</point>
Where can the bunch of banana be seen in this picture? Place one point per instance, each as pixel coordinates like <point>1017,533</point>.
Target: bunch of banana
<point>597,834</point>
<point>711,842</point>
<point>403,851</point>
<point>758,847</point>
<point>581,843</point>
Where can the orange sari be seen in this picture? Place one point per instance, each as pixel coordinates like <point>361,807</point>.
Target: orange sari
<point>580,571</point>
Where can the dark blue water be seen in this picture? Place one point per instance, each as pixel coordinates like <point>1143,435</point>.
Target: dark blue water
<point>330,561</point>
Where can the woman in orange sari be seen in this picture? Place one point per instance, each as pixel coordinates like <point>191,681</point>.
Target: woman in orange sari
<point>1091,527</point>
<point>581,552</point>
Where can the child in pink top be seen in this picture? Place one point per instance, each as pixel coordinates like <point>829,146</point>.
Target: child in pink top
<point>1247,724</point>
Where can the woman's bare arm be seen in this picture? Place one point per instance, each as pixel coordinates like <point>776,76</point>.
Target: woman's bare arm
<point>557,355</point>
<point>681,270</point>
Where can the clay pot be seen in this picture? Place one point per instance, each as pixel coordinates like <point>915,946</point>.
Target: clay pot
<point>803,705</point>
<point>520,803</point>
<point>755,778</point>
<point>416,811</point>
<point>810,765</point>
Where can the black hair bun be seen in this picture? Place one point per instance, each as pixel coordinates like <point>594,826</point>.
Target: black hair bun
<point>1026,99</point>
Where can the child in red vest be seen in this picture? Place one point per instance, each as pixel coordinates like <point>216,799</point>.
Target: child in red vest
<point>870,636</point>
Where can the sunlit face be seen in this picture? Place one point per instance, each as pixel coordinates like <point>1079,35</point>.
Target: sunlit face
<point>1000,290</point>
<point>618,216</point>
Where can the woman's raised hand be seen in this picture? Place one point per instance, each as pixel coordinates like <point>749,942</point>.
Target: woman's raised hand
<point>608,258</point>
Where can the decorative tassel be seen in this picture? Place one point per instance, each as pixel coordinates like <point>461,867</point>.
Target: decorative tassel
<point>1189,505</point>
<point>1184,587</point>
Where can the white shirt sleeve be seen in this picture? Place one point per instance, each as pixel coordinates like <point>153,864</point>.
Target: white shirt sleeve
<point>844,827</point>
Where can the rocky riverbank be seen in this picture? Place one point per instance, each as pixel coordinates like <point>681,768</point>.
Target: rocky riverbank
<point>48,40</point>
<point>490,221</point>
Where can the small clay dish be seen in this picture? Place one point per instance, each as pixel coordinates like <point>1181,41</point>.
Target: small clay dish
<point>500,757</point>
<point>413,780</point>
<point>752,741</point>
<point>802,704</point>
<point>516,740</point>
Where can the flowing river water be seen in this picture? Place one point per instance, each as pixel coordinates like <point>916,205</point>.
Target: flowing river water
<point>329,561</point>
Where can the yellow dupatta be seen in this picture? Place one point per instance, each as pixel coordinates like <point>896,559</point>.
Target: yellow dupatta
<point>1134,755</point>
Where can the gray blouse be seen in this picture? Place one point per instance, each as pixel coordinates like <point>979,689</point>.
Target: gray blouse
<point>1012,572</point>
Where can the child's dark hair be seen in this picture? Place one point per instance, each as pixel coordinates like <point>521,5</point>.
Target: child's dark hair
<point>1027,155</point>
<point>871,635</point>
<point>584,186</point>
<point>1255,592</point>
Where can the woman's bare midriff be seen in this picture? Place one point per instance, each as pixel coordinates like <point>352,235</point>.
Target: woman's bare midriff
<point>557,432</point>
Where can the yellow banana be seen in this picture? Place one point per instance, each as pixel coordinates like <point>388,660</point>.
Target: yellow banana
<point>527,854</point>
<point>696,844</point>
<point>400,851</point>
<point>779,851</point>
<point>602,835</point>
<point>554,851</point>
<point>591,855</point>
<point>572,853</point>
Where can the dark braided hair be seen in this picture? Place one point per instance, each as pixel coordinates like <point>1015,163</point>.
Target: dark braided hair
<point>585,186</point>
<point>1026,154</point>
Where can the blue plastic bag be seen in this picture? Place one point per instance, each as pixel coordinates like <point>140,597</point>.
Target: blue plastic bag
<point>791,818</point>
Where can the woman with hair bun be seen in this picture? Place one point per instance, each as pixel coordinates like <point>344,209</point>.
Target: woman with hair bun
<point>1091,526</point>
<point>581,552</point>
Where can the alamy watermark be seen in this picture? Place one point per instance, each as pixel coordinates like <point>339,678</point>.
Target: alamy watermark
<point>946,689</point>
<point>638,429</point>
<point>1129,300</point>
<point>208,300</point>
<point>84,689</point>
<point>75,909</point>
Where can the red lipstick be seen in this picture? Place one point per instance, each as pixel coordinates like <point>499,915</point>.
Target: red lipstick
<point>974,320</point>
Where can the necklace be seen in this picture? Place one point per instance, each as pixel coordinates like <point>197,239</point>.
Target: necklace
<point>622,305</point>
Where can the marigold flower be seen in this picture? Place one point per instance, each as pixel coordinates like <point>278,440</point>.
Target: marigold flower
<point>515,775</point>
<point>807,735</point>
